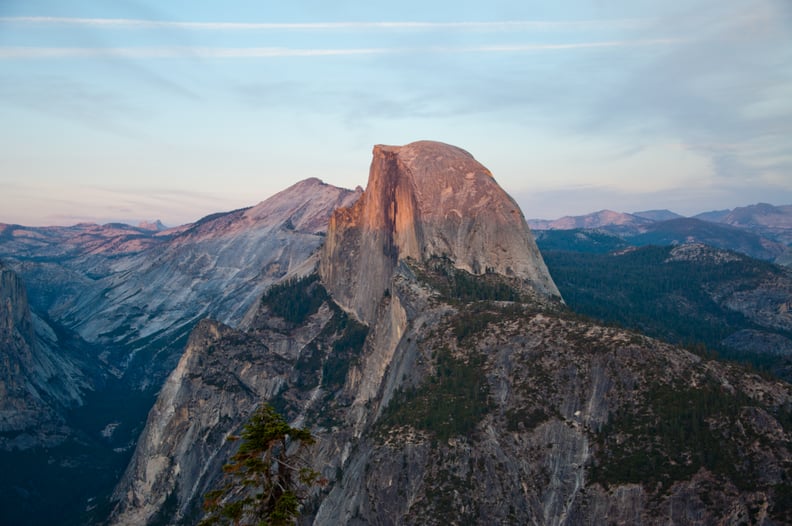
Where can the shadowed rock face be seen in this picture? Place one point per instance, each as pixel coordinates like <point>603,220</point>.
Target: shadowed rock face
<point>208,390</point>
<point>422,200</point>
<point>38,381</point>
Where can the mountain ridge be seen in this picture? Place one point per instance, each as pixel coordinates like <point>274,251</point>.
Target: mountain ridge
<point>762,231</point>
<point>756,212</point>
<point>37,382</point>
<point>160,291</point>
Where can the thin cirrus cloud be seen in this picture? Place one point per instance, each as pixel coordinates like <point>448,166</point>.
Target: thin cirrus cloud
<point>506,25</point>
<point>205,52</point>
<point>258,52</point>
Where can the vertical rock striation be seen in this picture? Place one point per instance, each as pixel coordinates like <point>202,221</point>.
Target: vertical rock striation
<point>426,199</point>
<point>213,387</point>
<point>37,380</point>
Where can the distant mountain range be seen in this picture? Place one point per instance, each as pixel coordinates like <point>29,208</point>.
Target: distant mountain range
<point>761,231</point>
<point>685,280</point>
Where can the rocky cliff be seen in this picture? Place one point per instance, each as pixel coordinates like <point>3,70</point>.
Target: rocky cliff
<point>38,380</point>
<point>423,200</point>
<point>505,413</point>
<point>471,394</point>
<point>213,387</point>
<point>221,377</point>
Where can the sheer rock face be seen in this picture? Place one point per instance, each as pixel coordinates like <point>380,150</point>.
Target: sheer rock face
<point>182,448</point>
<point>37,380</point>
<point>426,199</point>
<point>19,400</point>
<point>223,375</point>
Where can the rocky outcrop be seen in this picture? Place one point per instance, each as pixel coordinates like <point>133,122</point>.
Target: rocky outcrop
<point>223,375</point>
<point>424,200</point>
<point>117,304</point>
<point>537,418</point>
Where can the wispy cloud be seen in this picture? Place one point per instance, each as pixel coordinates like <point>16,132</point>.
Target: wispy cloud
<point>259,52</point>
<point>177,52</point>
<point>506,25</point>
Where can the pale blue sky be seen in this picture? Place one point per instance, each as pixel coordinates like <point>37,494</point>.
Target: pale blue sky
<point>134,110</point>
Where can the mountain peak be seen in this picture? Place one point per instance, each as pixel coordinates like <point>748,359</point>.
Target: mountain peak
<point>426,199</point>
<point>657,215</point>
<point>155,226</point>
<point>304,205</point>
<point>593,220</point>
<point>426,154</point>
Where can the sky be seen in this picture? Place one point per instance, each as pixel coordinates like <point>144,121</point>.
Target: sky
<point>127,110</point>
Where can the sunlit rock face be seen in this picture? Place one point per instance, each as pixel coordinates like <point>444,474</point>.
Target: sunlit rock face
<point>426,199</point>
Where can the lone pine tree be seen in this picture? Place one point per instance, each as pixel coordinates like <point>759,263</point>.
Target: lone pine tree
<point>267,479</point>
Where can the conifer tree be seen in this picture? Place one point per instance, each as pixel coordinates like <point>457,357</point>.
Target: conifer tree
<point>267,479</point>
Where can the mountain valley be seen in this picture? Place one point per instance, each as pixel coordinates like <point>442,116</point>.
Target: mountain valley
<point>706,299</point>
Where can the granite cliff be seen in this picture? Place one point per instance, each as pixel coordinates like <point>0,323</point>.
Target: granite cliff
<point>446,383</point>
<point>39,380</point>
<point>423,200</point>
